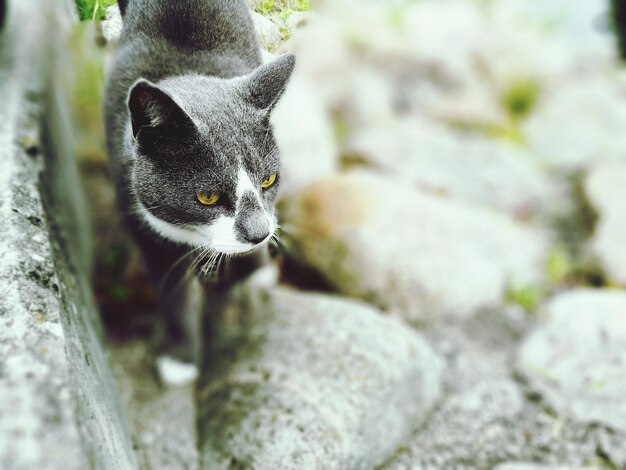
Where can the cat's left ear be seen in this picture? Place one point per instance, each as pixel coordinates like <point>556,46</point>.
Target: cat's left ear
<point>265,85</point>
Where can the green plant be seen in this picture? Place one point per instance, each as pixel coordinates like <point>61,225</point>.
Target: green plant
<point>93,9</point>
<point>528,297</point>
<point>279,11</point>
<point>520,97</point>
<point>270,7</point>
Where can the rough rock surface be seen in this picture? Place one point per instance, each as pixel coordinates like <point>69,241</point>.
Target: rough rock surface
<point>304,134</point>
<point>576,358</point>
<point>112,25</point>
<point>532,466</point>
<point>267,32</point>
<point>409,252</point>
<point>59,409</point>
<point>309,381</point>
<point>162,418</point>
<point>464,166</point>
<point>575,126</point>
<point>487,417</point>
<point>607,193</point>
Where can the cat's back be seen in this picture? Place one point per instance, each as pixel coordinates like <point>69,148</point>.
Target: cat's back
<point>189,34</point>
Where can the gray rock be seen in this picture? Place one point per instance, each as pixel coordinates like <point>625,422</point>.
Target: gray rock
<point>486,417</point>
<point>431,156</point>
<point>607,193</point>
<point>576,358</point>
<point>533,466</point>
<point>112,25</point>
<point>299,19</point>
<point>304,134</point>
<point>311,381</point>
<point>162,418</point>
<point>59,408</point>
<point>409,252</point>
<point>575,123</point>
<point>267,32</point>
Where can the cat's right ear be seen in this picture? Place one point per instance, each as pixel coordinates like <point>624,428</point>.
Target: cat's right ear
<point>150,107</point>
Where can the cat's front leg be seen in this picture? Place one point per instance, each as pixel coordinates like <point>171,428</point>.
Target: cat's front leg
<point>180,301</point>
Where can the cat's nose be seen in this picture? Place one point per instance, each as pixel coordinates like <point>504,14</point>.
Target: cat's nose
<point>256,239</point>
<point>255,231</point>
<point>253,227</point>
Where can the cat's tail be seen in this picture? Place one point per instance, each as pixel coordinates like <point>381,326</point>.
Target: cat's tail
<point>122,4</point>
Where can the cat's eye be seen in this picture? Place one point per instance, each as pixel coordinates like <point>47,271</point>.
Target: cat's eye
<point>269,181</point>
<point>208,199</point>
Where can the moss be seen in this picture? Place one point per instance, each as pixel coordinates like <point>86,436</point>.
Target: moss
<point>270,7</point>
<point>93,9</point>
<point>279,11</point>
<point>520,97</point>
<point>528,297</point>
<point>87,93</point>
<point>559,264</point>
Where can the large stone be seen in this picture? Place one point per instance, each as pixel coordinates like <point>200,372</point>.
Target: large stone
<point>475,169</point>
<point>58,406</point>
<point>417,254</point>
<point>112,24</point>
<point>607,193</point>
<point>267,32</point>
<point>304,134</point>
<point>163,419</point>
<point>575,124</point>
<point>486,417</point>
<point>534,466</point>
<point>311,381</point>
<point>576,358</point>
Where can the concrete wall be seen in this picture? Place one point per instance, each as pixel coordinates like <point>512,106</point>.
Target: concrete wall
<point>58,404</point>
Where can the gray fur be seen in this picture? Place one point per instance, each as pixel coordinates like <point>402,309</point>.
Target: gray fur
<point>187,105</point>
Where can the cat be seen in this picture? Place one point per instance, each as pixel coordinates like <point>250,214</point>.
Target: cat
<point>191,149</point>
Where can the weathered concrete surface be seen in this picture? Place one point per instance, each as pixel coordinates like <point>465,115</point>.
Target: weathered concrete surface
<point>58,408</point>
<point>311,381</point>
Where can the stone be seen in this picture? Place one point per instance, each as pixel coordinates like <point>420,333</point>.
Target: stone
<point>576,358</point>
<point>163,419</point>
<point>297,380</point>
<point>112,24</point>
<point>486,416</point>
<point>323,54</point>
<point>304,136</point>
<point>419,255</point>
<point>533,466</point>
<point>299,19</point>
<point>267,32</point>
<point>605,189</point>
<point>464,166</point>
<point>59,408</point>
<point>575,124</point>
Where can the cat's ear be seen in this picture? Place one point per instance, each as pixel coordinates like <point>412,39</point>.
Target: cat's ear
<point>265,85</point>
<point>150,108</point>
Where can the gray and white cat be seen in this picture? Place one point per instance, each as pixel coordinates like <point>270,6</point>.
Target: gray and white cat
<point>192,153</point>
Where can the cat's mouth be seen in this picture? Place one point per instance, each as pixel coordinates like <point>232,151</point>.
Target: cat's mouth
<point>239,249</point>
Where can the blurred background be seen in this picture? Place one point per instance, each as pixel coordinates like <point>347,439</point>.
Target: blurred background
<point>459,165</point>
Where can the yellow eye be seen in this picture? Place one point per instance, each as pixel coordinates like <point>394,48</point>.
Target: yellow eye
<point>269,181</point>
<point>208,199</point>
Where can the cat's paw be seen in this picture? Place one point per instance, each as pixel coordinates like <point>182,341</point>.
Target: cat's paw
<point>175,373</point>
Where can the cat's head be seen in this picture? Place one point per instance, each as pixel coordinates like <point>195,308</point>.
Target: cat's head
<point>205,163</point>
